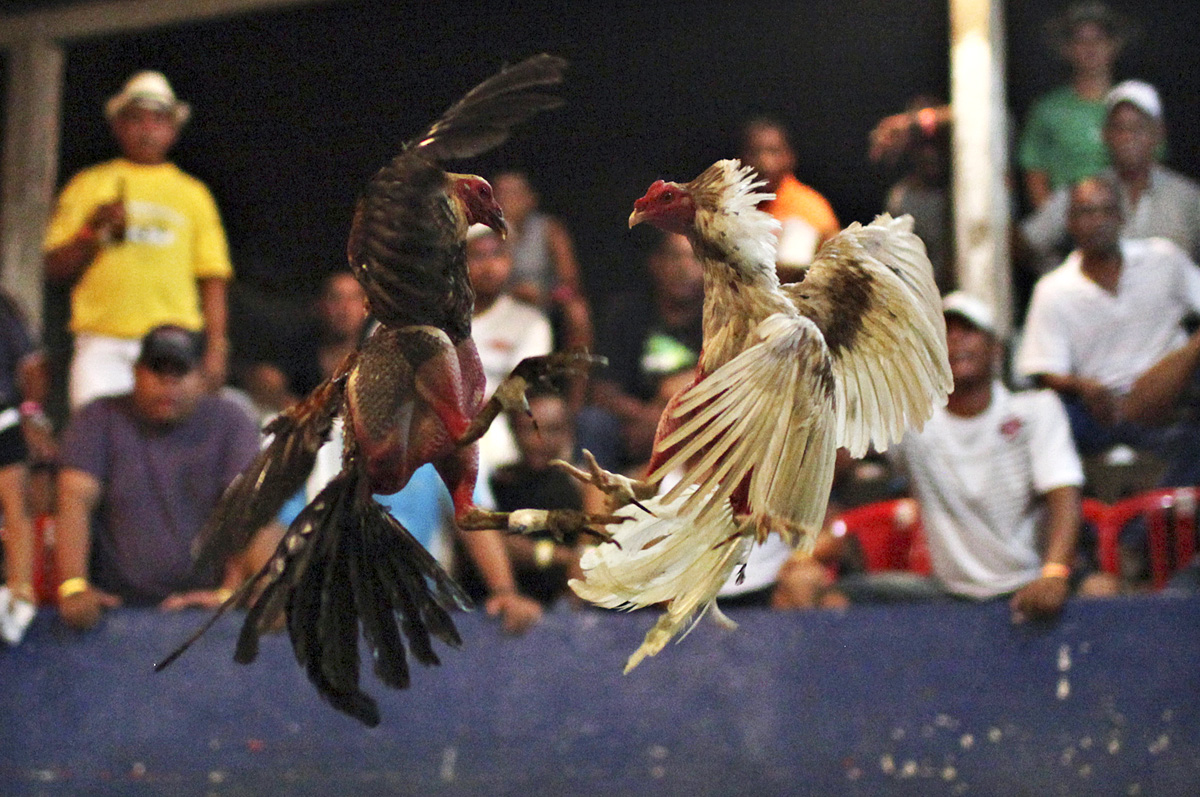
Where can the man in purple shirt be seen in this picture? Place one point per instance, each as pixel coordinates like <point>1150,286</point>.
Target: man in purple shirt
<point>140,474</point>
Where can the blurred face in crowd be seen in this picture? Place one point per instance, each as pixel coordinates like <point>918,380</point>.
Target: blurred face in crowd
<point>145,134</point>
<point>768,151</point>
<point>489,263</point>
<point>676,272</point>
<point>1132,137</point>
<point>164,396</point>
<point>343,307</point>
<point>1091,48</point>
<point>971,350</point>
<point>551,439</point>
<point>515,196</point>
<point>1094,219</point>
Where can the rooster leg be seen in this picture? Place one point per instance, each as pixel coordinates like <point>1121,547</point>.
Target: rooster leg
<point>558,523</point>
<point>510,394</point>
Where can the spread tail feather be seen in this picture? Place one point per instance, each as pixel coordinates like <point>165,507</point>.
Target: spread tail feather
<point>666,557</point>
<point>344,562</point>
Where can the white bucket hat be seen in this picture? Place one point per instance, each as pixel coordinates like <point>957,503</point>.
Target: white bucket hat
<point>149,89</point>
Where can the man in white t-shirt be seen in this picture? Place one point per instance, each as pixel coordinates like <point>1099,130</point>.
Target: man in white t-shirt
<point>998,482</point>
<point>505,331</point>
<point>1110,312</point>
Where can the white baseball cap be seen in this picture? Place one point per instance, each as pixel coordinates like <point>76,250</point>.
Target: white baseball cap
<point>974,310</point>
<point>149,89</point>
<point>1139,94</point>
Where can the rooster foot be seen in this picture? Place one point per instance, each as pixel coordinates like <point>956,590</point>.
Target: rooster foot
<point>765,525</point>
<point>621,490</point>
<point>558,523</point>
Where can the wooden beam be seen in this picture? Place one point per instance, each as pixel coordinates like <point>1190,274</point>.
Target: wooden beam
<point>30,168</point>
<point>122,16</point>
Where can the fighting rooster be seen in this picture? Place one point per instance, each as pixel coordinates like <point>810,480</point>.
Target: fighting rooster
<point>412,394</point>
<point>850,356</point>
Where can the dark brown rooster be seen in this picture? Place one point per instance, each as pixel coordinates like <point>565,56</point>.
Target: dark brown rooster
<point>412,394</point>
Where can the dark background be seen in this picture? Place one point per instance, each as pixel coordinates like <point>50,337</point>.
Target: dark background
<point>294,110</point>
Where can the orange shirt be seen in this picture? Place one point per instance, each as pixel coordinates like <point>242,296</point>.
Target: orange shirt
<point>807,217</point>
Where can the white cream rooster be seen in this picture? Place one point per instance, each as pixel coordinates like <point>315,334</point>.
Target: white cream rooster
<point>851,356</point>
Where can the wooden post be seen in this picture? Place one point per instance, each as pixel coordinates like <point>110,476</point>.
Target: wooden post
<point>30,170</point>
<point>981,199</point>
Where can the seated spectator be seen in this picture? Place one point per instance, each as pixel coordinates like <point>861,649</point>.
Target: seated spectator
<point>24,431</point>
<point>1155,201</point>
<point>140,474</point>
<point>1101,320</point>
<point>1059,145</point>
<point>541,564</point>
<point>984,470</point>
<point>505,330</point>
<point>338,325</point>
<point>646,336</point>
<point>544,270</point>
<point>806,217</point>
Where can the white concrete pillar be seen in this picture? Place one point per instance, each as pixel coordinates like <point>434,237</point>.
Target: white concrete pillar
<point>980,166</point>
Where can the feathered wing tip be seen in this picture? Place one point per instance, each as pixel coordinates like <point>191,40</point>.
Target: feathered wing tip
<point>343,562</point>
<point>255,495</point>
<point>663,557</point>
<point>871,292</point>
<point>483,118</point>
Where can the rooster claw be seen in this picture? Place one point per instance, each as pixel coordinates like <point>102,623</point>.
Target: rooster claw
<point>621,490</point>
<point>542,369</point>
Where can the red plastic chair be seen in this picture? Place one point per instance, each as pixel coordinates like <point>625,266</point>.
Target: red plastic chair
<point>889,533</point>
<point>1097,513</point>
<point>1170,516</point>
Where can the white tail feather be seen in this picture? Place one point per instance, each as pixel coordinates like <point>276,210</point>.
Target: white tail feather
<point>680,559</point>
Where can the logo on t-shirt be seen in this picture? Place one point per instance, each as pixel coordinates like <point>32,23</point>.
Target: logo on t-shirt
<point>1010,428</point>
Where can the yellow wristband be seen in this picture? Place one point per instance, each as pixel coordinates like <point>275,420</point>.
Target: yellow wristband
<point>543,553</point>
<point>223,594</point>
<point>73,586</point>
<point>1055,570</point>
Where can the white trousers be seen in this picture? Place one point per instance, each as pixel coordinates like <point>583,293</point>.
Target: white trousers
<point>102,366</point>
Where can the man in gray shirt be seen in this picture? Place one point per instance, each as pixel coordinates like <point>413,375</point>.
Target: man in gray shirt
<point>1155,201</point>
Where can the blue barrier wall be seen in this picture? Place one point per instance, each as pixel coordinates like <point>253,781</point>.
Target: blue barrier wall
<point>907,700</point>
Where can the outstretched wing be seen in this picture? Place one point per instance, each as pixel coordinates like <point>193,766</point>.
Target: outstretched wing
<point>871,293</point>
<point>483,118</point>
<point>406,242</point>
<point>767,414</point>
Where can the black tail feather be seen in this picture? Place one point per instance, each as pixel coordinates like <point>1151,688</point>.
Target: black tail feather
<point>344,562</point>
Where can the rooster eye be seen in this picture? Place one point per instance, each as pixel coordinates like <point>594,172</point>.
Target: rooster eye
<point>667,196</point>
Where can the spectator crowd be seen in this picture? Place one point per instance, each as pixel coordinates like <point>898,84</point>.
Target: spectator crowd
<point>163,414</point>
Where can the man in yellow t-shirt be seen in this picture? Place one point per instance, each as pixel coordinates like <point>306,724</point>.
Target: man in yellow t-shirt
<point>141,244</point>
<point>807,220</point>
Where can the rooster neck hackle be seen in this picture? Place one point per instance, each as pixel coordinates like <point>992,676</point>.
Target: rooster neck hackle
<point>729,228</point>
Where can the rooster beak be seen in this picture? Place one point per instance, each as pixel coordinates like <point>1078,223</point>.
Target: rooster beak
<point>496,222</point>
<point>636,218</point>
